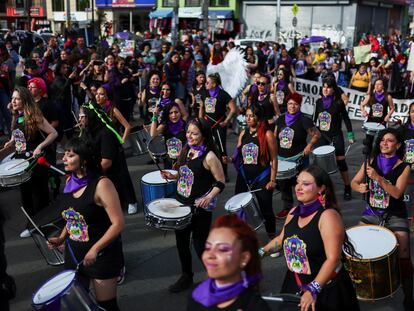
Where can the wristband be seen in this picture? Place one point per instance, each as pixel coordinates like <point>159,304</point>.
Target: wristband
<point>262,252</point>
<point>350,136</point>
<point>154,118</point>
<point>219,185</point>
<point>314,288</point>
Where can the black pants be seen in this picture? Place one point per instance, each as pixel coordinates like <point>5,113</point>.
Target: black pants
<point>369,141</point>
<point>265,200</point>
<point>35,191</point>
<point>199,227</point>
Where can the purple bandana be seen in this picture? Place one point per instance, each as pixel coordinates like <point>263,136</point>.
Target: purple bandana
<point>107,106</point>
<point>411,126</point>
<point>253,88</point>
<point>165,101</point>
<point>386,164</point>
<point>200,148</point>
<point>263,95</point>
<point>214,92</point>
<point>327,101</point>
<point>305,210</point>
<point>281,85</point>
<point>75,183</point>
<point>291,118</point>
<point>209,294</point>
<point>379,96</point>
<point>362,72</point>
<point>154,90</point>
<point>175,128</point>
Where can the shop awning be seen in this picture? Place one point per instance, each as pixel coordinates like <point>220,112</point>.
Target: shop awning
<point>161,14</point>
<point>220,14</point>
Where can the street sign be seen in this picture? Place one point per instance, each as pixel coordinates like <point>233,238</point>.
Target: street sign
<point>295,9</point>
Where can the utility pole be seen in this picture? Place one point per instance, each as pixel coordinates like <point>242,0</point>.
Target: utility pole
<point>277,21</point>
<point>174,27</point>
<point>68,24</point>
<point>93,21</point>
<point>204,7</point>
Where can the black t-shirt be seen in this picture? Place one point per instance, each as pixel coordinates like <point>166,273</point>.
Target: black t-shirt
<point>267,105</point>
<point>108,147</point>
<point>329,120</point>
<point>150,103</point>
<point>174,143</point>
<point>408,135</point>
<point>378,109</point>
<point>249,300</point>
<point>291,140</point>
<point>215,108</point>
<point>49,111</point>
<point>250,151</point>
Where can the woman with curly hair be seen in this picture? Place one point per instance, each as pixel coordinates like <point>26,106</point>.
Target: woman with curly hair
<point>28,141</point>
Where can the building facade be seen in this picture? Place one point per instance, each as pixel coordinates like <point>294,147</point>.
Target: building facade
<point>24,14</point>
<point>343,21</point>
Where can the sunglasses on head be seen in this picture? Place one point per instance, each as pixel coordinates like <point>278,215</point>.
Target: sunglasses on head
<point>261,83</point>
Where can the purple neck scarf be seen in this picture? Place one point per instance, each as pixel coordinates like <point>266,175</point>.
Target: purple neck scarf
<point>263,95</point>
<point>165,101</point>
<point>411,126</point>
<point>379,96</point>
<point>200,148</point>
<point>291,118</point>
<point>175,128</point>
<point>281,85</point>
<point>362,72</point>
<point>386,164</point>
<point>214,92</point>
<point>107,106</point>
<point>253,88</point>
<point>327,101</point>
<point>154,90</point>
<point>75,183</point>
<point>209,294</point>
<point>304,210</point>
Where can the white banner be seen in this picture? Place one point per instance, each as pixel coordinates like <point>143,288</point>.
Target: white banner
<point>311,90</point>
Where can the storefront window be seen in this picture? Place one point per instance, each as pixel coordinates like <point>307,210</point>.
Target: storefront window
<point>81,5</point>
<point>219,2</point>
<point>19,4</point>
<point>192,2</point>
<point>169,2</point>
<point>58,5</point>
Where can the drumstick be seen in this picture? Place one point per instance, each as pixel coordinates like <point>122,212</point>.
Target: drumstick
<point>155,162</point>
<point>256,190</point>
<point>221,144</point>
<point>33,223</point>
<point>347,149</point>
<point>20,163</point>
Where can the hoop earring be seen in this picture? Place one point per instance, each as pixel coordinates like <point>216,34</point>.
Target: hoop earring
<point>322,199</point>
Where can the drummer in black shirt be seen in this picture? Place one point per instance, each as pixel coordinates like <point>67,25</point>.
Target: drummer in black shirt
<point>292,130</point>
<point>329,112</point>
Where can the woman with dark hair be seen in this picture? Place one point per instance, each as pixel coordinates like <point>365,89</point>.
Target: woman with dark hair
<point>173,74</point>
<point>233,266</point>
<point>31,134</point>
<point>329,112</point>
<point>407,131</point>
<point>150,95</point>
<point>198,92</point>
<point>98,128</point>
<point>387,177</point>
<point>92,235</point>
<point>95,72</point>
<point>381,108</point>
<point>361,80</point>
<point>214,109</point>
<point>101,98</point>
<point>292,130</point>
<point>312,240</point>
<point>282,87</point>
<point>173,128</point>
<point>267,100</point>
<point>200,179</point>
<point>258,149</point>
<point>167,97</point>
<point>251,59</point>
<point>377,70</point>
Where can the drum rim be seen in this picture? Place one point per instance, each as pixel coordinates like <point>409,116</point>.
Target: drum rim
<point>60,293</point>
<point>374,258</point>
<point>181,217</point>
<point>323,154</point>
<point>379,298</point>
<point>241,206</point>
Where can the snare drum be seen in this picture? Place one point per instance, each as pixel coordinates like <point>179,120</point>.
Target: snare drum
<point>153,186</point>
<point>167,214</point>
<point>372,128</point>
<point>245,205</point>
<point>139,140</point>
<point>324,157</point>
<point>13,172</point>
<point>285,170</point>
<point>375,275</point>
<point>63,292</point>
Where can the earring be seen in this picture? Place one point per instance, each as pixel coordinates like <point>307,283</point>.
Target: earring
<point>322,199</point>
<point>245,281</point>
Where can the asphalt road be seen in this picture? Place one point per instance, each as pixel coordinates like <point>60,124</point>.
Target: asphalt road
<point>151,259</point>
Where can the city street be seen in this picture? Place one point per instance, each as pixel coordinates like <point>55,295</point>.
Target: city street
<point>151,258</point>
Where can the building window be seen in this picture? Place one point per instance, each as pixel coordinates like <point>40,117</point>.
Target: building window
<point>37,2</point>
<point>169,2</point>
<point>217,3</point>
<point>192,2</point>
<point>3,7</point>
<point>19,4</point>
<point>58,5</point>
<point>81,5</point>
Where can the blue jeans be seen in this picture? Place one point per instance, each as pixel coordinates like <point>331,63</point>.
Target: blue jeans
<point>5,117</point>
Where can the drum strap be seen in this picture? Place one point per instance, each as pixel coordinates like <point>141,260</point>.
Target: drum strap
<point>258,178</point>
<point>216,122</point>
<point>333,276</point>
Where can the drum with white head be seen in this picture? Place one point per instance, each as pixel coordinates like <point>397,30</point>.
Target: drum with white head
<point>245,205</point>
<point>167,214</point>
<point>372,128</point>
<point>286,169</point>
<point>14,172</point>
<point>153,186</point>
<point>324,157</point>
